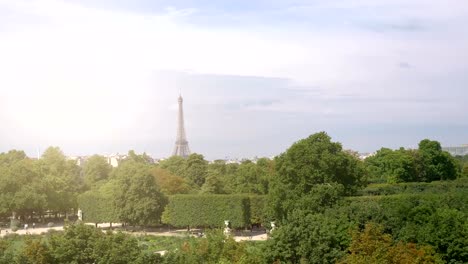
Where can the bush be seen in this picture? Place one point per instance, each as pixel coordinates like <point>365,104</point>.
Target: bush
<point>207,210</point>
<point>14,228</point>
<point>97,207</point>
<point>258,212</point>
<point>416,187</point>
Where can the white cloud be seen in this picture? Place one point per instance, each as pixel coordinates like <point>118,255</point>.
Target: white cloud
<point>76,73</point>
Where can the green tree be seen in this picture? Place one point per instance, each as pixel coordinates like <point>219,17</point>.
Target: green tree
<point>213,183</point>
<point>196,168</point>
<point>169,183</point>
<point>253,178</point>
<point>174,165</point>
<point>465,171</point>
<point>373,246</point>
<point>61,178</point>
<point>96,170</point>
<point>393,166</point>
<point>143,158</point>
<point>437,164</point>
<point>21,186</point>
<point>313,169</point>
<point>34,251</point>
<point>309,238</point>
<point>138,198</point>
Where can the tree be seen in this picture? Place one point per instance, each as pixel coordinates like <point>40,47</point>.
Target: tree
<point>169,183</point>
<point>373,246</point>
<point>34,251</point>
<point>252,178</point>
<point>465,171</point>
<point>309,238</point>
<point>98,204</point>
<point>313,167</point>
<point>61,178</point>
<point>175,165</point>
<point>393,166</point>
<point>138,198</point>
<point>21,186</point>
<point>196,169</point>
<point>437,164</point>
<point>95,170</point>
<point>143,158</point>
<point>213,184</point>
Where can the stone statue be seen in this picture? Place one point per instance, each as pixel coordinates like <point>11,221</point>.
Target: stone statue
<point>80,215</point>
<point>227,229</point>
<point>273,226</point>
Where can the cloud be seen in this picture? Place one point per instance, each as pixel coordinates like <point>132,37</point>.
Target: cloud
<point>95,77</point>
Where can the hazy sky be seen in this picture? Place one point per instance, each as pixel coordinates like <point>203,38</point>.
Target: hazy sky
<point>93,76</point>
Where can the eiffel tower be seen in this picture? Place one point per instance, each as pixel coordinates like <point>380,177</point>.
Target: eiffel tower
<point>181,145</point>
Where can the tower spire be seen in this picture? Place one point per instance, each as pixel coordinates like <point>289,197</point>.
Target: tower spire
<point>181,145</point>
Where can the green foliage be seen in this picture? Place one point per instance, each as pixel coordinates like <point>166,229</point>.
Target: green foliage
<point>62,180</point>
<point>169,183</point>
<point>214,249</point>
<point>393,166</point>
<point>96,170</point>
<point>85,244</point>
<point>258,209</point>
<point>137,197</point>
<point>415,187</point>
<point>98,205</point>
<point>175,165</point>
<point>313,170</point>
<point>253,178</point>
<point>309,238</point>
<point>207,210</point>
<point>373,246</point>
<point>142,158</point>
<point>438,220</point>
<point>196,168</point>
<point>438,164</point>
<point>427,163</point>
<point>34,251</point>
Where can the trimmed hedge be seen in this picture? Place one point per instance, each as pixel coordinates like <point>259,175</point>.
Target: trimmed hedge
<point>97,207</point>
<point>415,187</point>
<point>258,210</point>
<point>207,210</point>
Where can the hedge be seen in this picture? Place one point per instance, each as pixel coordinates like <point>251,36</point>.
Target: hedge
<point>97,207</point>
<point>415,187</point>
<point>258,212</point>
<point>207,210</point>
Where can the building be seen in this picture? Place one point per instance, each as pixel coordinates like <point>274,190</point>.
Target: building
<point>457,151</point>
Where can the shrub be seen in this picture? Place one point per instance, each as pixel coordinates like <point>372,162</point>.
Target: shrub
<point>97,207</point>
<point>207,210</point>
<point>258,209</point>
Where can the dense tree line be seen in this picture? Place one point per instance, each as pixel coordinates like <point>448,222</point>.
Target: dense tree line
<point>425,164</point>
<point>314,193</point>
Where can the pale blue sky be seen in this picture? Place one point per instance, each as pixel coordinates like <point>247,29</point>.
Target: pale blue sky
<point>103,77</point>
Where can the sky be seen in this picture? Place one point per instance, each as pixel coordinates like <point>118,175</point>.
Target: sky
<point>101,76</point>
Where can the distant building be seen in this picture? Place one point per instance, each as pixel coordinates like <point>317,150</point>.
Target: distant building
<point>457,151</point>
<point>363,156</point>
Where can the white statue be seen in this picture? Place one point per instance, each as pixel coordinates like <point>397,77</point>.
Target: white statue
<point>80,215</point>
<point>227,229</point>
<point>273,226</point>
